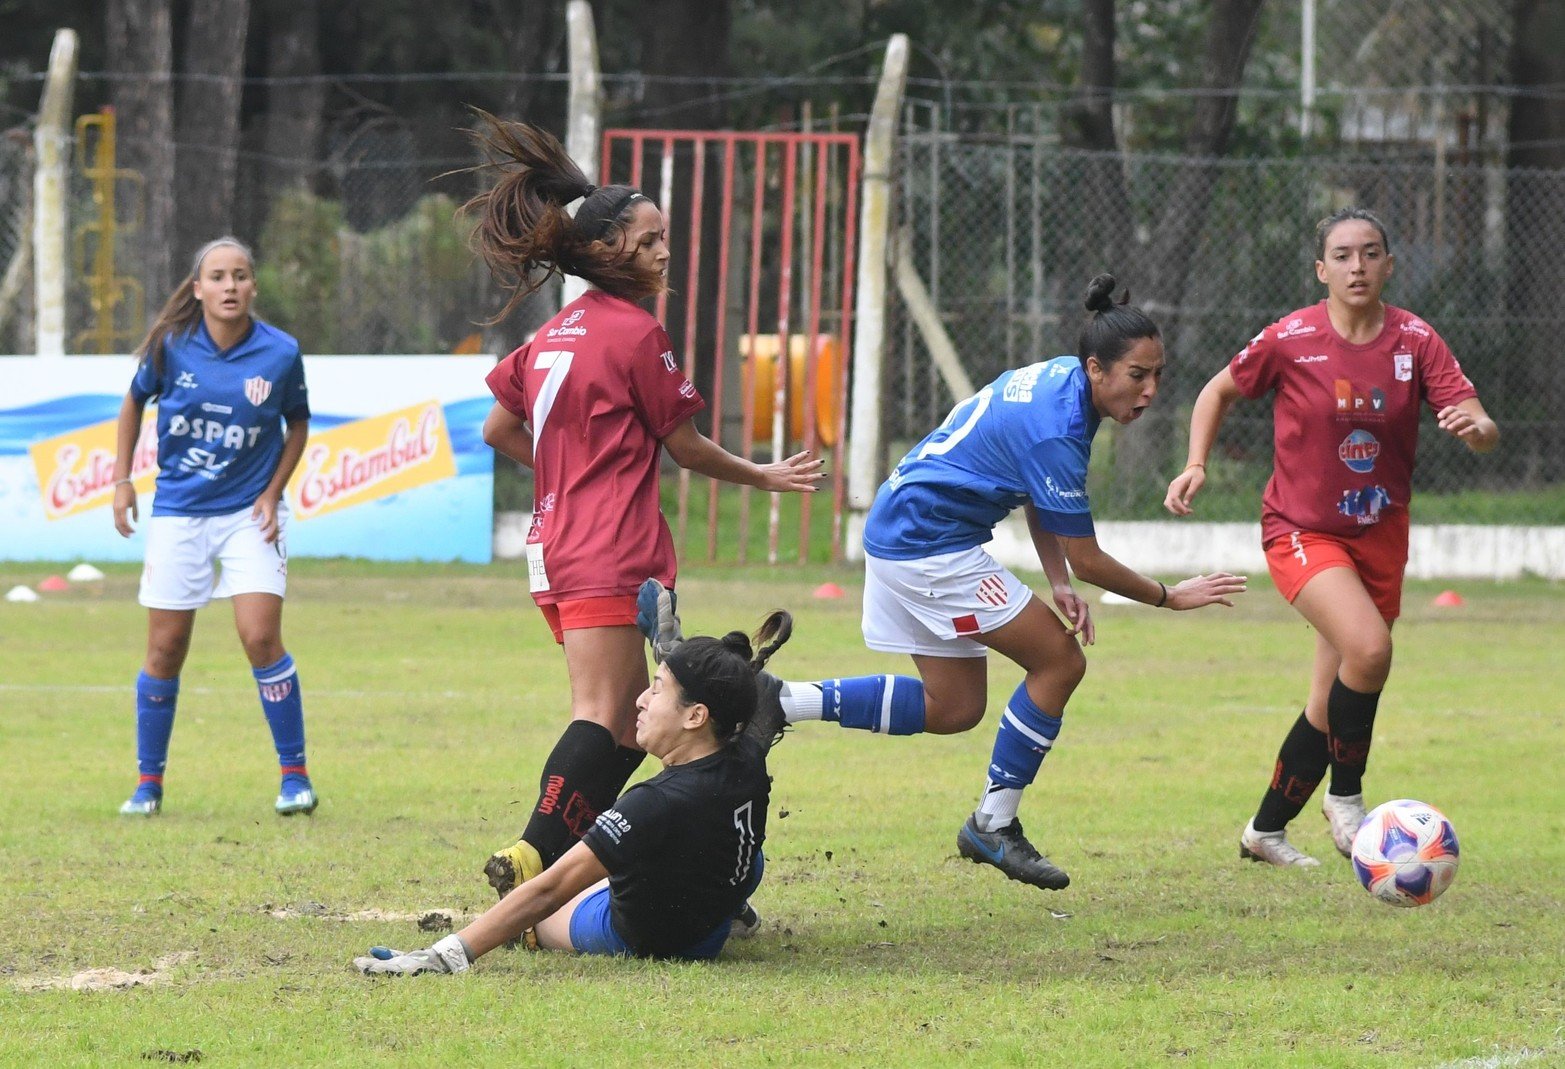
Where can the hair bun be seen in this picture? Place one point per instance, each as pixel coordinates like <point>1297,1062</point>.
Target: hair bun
<point>738,642</point>
<point>1100,293</point>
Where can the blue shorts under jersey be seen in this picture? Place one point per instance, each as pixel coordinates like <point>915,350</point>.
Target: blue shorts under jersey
<point>220,417</point>
<point>1026,437</point>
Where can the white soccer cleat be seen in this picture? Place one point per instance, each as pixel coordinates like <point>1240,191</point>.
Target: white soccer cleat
<point>1345,813</point>
<point>1273,848</point>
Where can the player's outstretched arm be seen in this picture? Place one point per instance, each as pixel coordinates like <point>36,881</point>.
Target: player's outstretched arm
<point>691,449</point>
<point>1216,397</point>
<point>1090,562</point>
<point>527,905</point>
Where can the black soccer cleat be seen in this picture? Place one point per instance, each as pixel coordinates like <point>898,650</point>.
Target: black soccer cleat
<point>766,726</point>
<point>1008,850</point>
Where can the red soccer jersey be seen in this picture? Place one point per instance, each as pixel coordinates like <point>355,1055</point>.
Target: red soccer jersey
<point>1345,416</point>
<point>599,387</point>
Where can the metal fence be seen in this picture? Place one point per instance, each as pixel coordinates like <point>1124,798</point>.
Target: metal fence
<point>999,230</point>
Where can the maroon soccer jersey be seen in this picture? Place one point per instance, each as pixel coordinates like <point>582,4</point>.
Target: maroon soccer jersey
<point>1345,416</point>
<point>599,387</point>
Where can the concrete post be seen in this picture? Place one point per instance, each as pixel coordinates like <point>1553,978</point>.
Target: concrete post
<point>869,319</point>
<point>52,145</point>
<point>584,110</point>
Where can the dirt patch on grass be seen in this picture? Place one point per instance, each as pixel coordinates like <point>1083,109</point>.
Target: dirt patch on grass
<point>429,920</point>
<point>106,979</point>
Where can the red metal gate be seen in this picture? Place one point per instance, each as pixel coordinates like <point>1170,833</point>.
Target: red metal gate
<point>784,207</point>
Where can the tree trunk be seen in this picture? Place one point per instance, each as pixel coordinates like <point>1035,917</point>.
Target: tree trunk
<point>295,109</point>
<point>1107,229</point>
<point>207,148</point>
<point>1146,449</point>
<point>1535,232</point>
<point>141,54</point>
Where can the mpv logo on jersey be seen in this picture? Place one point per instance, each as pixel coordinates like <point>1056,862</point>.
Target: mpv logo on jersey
<point>1356,405</point>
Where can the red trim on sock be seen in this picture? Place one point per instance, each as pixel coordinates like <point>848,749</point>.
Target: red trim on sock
<point>294,770</point>
<point>158,780</point>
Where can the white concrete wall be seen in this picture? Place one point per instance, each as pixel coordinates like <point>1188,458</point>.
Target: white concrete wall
<point>1171,548</point>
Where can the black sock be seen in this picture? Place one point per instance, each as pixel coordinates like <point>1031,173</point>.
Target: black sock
<point>615,775</point>
<point>1300,765</point>
<point>1350,720</point>
<point>565,810</point>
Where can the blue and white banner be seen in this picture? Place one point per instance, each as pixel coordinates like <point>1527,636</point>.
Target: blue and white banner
<point>395,468</point>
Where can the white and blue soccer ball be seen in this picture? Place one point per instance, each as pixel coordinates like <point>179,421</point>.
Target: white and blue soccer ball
<point>1405,853</point>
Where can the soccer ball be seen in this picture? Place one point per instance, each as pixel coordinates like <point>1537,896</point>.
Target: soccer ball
<point>1405,853</point>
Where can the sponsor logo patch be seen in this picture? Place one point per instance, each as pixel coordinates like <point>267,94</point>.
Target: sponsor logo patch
<point>1358,451</point>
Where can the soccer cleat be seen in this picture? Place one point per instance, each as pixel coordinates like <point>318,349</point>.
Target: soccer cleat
<point>657,620</point>
<point>766,726</point>
<point>146,802</point>
<point>1273,848</point>
<point>747,922</point>
<point>1345,814</point>
<point>1008,850</point>
<point>296,796</point>
<point>508,869</point>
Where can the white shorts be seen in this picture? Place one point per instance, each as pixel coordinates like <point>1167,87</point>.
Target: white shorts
<point>181,552</point>
<point>936,605</point>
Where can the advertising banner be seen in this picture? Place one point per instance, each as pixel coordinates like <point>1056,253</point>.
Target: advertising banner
<point>395,467</point>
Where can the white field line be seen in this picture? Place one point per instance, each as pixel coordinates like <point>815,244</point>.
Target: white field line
<point>1505,1060</point>
<point>314,692</point>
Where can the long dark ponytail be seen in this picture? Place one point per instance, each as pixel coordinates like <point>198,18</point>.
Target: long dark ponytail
<point>523,231</point>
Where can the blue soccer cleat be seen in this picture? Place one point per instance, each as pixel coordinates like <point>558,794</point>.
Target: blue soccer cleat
<point>296,796</point>
<point>146,802</point>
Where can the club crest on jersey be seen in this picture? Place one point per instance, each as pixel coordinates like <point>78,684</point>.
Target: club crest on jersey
<point>1403,366</point>
<point>991,591</point>
<point>258,390</point>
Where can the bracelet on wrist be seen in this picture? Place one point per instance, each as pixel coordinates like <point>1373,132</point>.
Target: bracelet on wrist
<point>128,482</point>
<point>1189,466</point>
<point>1164,599</point>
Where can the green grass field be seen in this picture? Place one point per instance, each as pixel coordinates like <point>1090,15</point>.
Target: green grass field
<point>433,692</point>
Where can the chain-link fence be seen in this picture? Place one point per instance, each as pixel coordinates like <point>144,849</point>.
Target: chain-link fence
<point>16,219</point>
<point>1004,235</point>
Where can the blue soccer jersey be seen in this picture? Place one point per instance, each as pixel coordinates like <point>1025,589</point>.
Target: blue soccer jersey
<point>220,417</point>
<point>1025,437</point>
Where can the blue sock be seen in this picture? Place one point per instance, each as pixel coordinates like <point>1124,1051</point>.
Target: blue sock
<point>284,708</point>
<point>1024,739</point>
<point>891,705</point>
<point>155,703</point>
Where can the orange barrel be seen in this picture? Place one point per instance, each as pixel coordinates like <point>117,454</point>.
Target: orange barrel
<point>762,349</point>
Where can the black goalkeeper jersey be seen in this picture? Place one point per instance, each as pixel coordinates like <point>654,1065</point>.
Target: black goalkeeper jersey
<point>680,848</point>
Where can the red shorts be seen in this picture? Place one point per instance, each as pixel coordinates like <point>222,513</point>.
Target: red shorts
<point>1379,556</point>
<point>616,611</point>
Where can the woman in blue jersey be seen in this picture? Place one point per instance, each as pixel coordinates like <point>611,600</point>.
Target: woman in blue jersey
<point>232,421</point>
<point>932,591</point>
